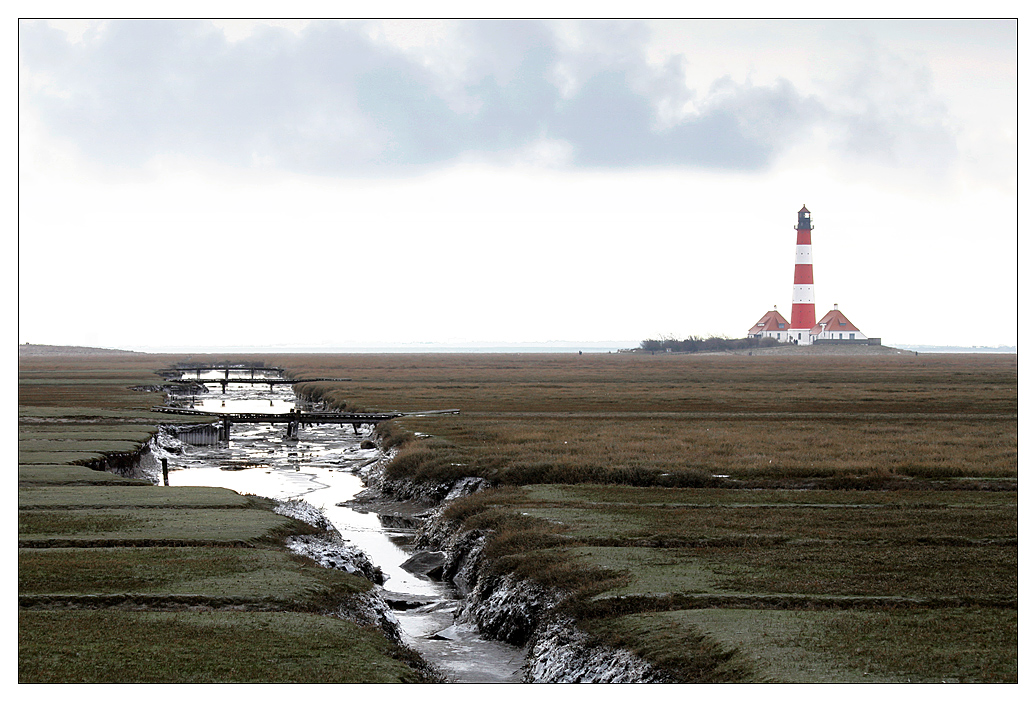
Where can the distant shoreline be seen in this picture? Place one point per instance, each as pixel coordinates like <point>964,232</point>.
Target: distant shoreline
<point>47,350</point>
<point>594,347</point>
<point>960,349</point>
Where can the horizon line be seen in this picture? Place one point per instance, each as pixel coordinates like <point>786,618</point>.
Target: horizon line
<point>440,346</point>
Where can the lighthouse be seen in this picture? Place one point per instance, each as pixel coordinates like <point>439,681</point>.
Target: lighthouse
<point>803,308</point>
<point>834,328</point>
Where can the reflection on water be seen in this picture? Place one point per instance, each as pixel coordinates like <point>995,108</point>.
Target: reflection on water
<point>218,375</point>
<point>317,467</point>
<point>239,397</point>
<point>220,404</point>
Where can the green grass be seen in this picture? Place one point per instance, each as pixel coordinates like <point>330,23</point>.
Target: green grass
<point>117,432</point>
<point>198,526</point>
<point>941,645</point>
<point>35,446</point>
<point>983,573</point>
<point>259,575</point>
<point>101,497</point>
<point>619,495</point>
<point>635,558</point>
<point>916,544</point>
<point>976,645</point>
<point>51,474</point>
<point>31,458</point>
<point>85,413</point>
<point>681,525</point>
<point>684,651</point>
<point>651,571</point>
<point>202,647</point>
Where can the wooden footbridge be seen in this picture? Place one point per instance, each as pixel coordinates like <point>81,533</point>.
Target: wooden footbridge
<point>224,382</point>
<point>225,367</point>
<point>296,418</point>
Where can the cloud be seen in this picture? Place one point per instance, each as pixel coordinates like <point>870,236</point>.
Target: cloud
<point>883,109</point>
<point>338,98</point>
<point>331,98</point>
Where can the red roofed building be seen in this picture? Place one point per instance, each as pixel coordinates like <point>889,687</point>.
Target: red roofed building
<point>771,326</point>
<point>836,326</point>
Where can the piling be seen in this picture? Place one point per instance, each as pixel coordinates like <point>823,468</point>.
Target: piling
<point>165,471</point>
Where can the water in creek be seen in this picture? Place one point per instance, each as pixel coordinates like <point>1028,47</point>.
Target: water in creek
<point>319,467</point>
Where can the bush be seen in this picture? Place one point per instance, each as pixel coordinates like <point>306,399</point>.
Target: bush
<point>695,344</point>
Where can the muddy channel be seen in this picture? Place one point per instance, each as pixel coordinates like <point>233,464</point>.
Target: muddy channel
<point>320,467</point>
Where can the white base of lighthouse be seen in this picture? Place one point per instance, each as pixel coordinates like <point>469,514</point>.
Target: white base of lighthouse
<point>802,337</point>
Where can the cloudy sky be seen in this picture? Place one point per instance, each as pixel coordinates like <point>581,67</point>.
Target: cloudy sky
<point>337,184</point>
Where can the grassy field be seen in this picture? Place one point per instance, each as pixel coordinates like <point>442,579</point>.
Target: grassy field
<point>730,518</point>
<point>735,518</point>
<point>248,578</point>
<point>105,646</point>
<point>120,581</point>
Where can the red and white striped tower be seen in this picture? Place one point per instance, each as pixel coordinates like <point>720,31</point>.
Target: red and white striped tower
<point>803,309</point>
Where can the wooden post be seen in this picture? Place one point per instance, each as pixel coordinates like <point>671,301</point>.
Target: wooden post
<point>165,471</point>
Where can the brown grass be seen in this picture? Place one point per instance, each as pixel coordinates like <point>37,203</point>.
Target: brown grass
<point>596,383</point>
<point>635,448</point>
<point>629,418</point>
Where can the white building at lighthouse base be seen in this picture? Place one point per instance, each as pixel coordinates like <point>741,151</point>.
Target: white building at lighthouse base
<point>834,327</point>
<point>772,326</point>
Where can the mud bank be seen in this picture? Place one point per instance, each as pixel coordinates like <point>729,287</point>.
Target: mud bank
<point>330,550</point>
<point>503,607</point>
<point>146,462</point>
<point>143,464</point>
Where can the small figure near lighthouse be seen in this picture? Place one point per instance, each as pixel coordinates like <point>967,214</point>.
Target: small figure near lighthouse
<point>804,329</point>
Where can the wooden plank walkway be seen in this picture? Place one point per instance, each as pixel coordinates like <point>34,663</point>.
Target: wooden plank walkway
<point>295,419</point>
<point>255,381</point>
<point>183,368</point>
<point>289,417</point>
<point>224,382</point>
